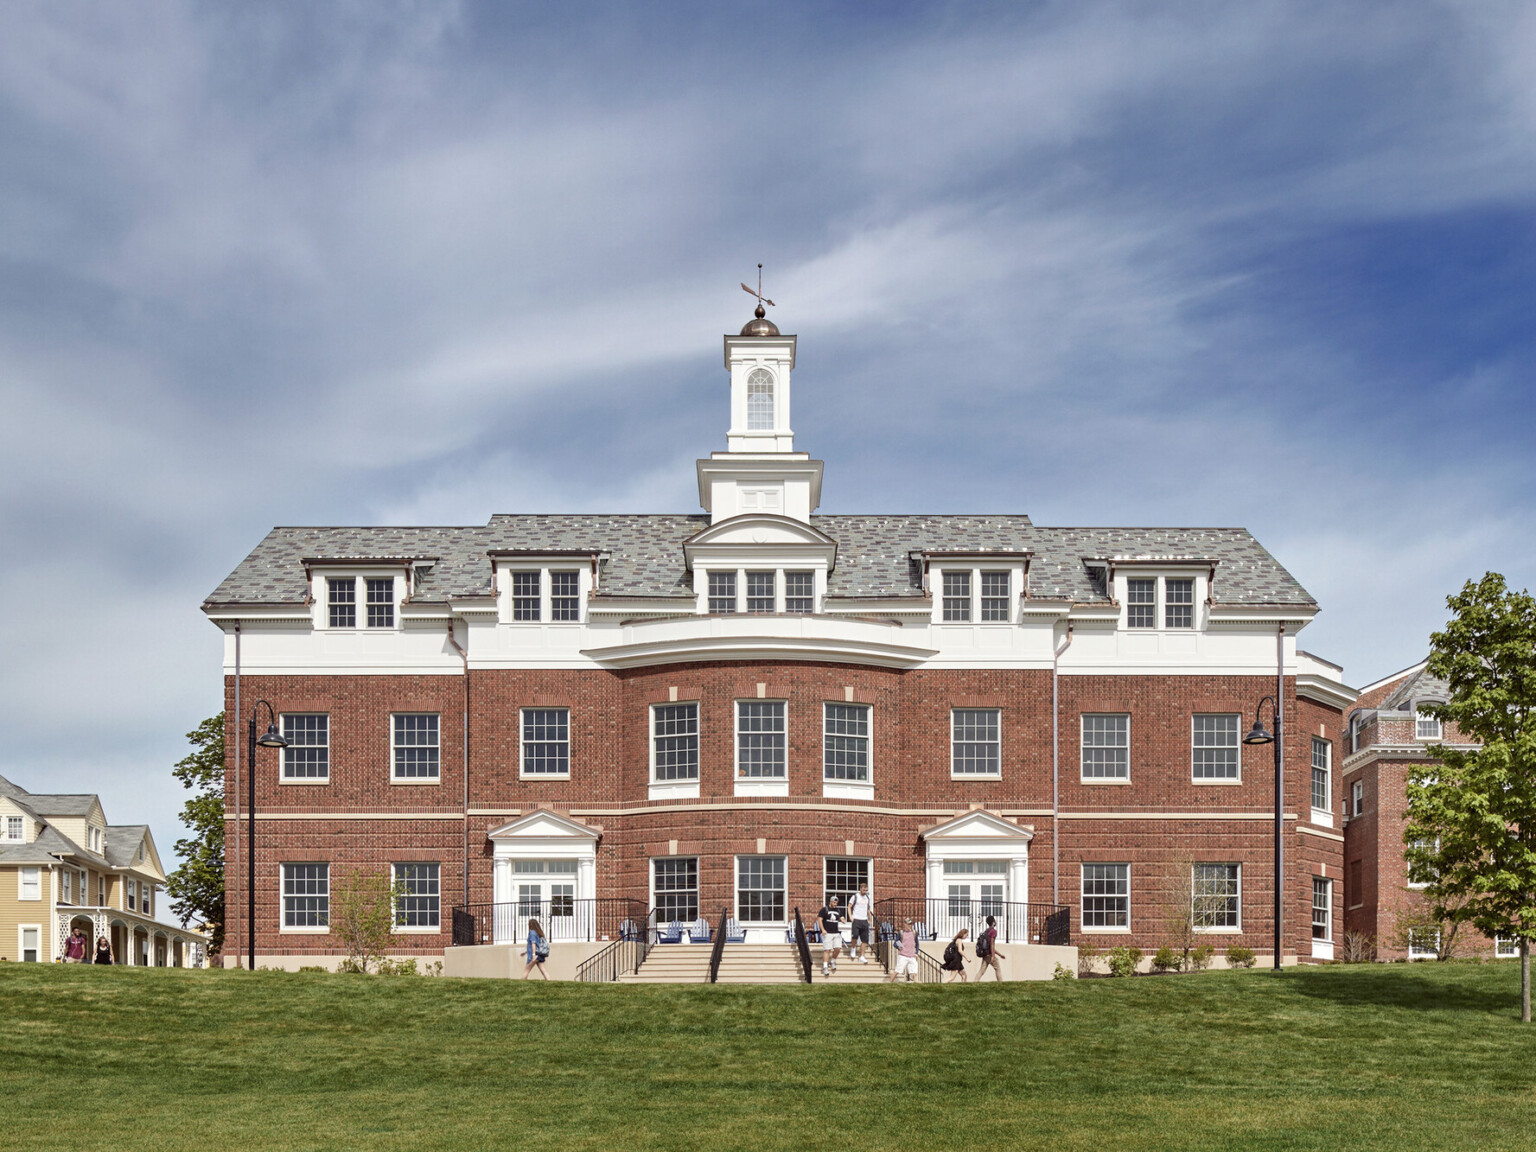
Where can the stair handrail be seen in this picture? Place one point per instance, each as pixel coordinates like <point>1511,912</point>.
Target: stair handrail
<point>624,955</point>
<point>719,949</point>
<point>804,946</point>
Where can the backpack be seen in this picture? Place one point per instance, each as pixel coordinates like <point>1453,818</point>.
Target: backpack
<point>984,943</point>
<point>952,953</point>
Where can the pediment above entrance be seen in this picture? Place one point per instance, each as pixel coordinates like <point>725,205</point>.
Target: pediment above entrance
<point>977,826</point>
<point>542,826</point>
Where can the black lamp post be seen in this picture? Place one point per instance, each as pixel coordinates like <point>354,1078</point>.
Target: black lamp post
<point>1258,735</point>
<point>271,738</point>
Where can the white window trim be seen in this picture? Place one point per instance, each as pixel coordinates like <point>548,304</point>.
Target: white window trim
<point>1215,781</point>
<point>758,785</point>
<point>1332,910</point>
<point>1418,734</point>
<point>1323,816</point>
<point>698,872</point>
<point>37,882</point>
<point>320,593</point>
<point>679,789</point>
<point>776,926</point>
<point>522,773</point>
<point>21,829</point>
<point>1015,573</point>
<point>577,564</point>
<point>1160,577</point>
<point>1506,941</point>
<point>1421,954</point>
<point>282,775</point>
<point>44,952</point>
<point>953,775</point>
<point>1129,910</point>
<point>283,928</point>
<point>1082,746</point>
<point>1356,799</point>
<point>410,780</point>
<point>849,789</point>
<point>1222,931</point>
<point>417,929</point>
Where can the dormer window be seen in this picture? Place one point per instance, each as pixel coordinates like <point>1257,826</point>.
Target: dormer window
<point>760,400</point>
<point>545,595</point>
<point>722,591</point>
<point>1425,727</point>
<point>1179,603</point>
<point>14,829</point>
<point>957,596</point>
<point>378,601</point>
<point>1174,595</point>
<point>1141,603</point>
<point>800,593</point>
<point>975,595</point>
<point>760,595</point>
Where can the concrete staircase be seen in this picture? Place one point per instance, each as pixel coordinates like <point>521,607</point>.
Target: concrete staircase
<point>745,964</point>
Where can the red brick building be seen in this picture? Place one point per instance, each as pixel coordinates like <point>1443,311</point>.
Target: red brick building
<point>755,706</point>
<point>1389,737</point>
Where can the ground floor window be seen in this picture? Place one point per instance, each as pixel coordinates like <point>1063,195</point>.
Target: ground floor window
<point>30,936</point>
<point>841,877</point>
<point>978,887</point>
<point>306,895</point>
<point>418,895</point>
<point>760,888</point>
<point>1505,946</point>
<point>1106,895</point>
<point>1322,909</point>
<point>1216,889</point>
<point>1423,943</point>
<point>675,882</point>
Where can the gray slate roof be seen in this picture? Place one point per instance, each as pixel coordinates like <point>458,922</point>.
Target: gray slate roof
<point>1420,686</point>
<point>644,555</point>
<point>122,840</point>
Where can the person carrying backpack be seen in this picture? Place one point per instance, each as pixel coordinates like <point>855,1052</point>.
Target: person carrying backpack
<point>538,950</point>
<point>986,950</point>
<point>954,956</point>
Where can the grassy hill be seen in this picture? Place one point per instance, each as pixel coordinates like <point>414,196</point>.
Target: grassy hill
<point>1387,1057</point>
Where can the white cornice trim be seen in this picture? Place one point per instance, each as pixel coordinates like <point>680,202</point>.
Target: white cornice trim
<point>1321,690</point>
<point>745,637</point>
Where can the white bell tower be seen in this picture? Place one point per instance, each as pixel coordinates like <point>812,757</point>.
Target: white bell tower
<point>760,471</point>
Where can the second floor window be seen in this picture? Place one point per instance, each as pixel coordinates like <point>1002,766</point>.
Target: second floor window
<point>417,754</point>
<point>1106,746</point>
<point>1215,746</point>
<point>1322,801</point>
<point>675,741</point>
<point>760,597</point>
<point>957,596</point>
<point>13,829</point>
<point>1357,798</point>
<point>1426,727</point>
<point>546,741</point>
<point>761,739</point>
<point>722,591</point>
<point>800,592</point>
<point>975,742</point>
<point>845,742</point>
<point>308,755</point>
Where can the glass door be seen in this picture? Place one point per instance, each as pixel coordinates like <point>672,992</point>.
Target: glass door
<point>545,890</point>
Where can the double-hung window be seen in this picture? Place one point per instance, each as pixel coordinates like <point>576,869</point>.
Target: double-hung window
<point>68,879</point>
<point>1426,727</point>
<point>1215,746</point>
<point>800,593</point>
<point>1217,892</point>
<point>957,596</point>
<point>761,739</point>
<point>418,895</point>
<point>675,888</point>
<point>1141,603</point>
<point>1178,603</point>
<point>841,877</point>
<point>417,755</point>
<point>975,747</point>
<point>1106,746</point>
<point>13,829</point>
<point>306,895</point>
<point>529,595</point>
<point>546,741</point>
<point>760,893</point>
<point>308,755</point>
<point>1506,946</point>
<point>675,742</point>
<point>1357,798</point>
<point>995,597</point>
<point>381,602</point>
<point>525,596</point>
<point>1322,908</point>
<point>1322,792</point>
<point>29,884</point>
<point>760,592</point>
<point>30,943</point>
<point>845,742</point>
<point>564,596</point>
<point>722,592</point>
<point>133,895</point>
<point>378,601</point>
<point>1106,895</point>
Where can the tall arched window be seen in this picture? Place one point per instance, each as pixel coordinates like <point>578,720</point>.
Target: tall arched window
<point>760,401</point>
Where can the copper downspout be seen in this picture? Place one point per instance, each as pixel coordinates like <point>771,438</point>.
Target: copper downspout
<point>464,656</point>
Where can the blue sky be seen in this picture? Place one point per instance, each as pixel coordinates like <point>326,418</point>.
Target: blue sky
<point>1267,264</point>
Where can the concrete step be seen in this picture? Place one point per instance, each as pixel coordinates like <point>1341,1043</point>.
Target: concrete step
<point>744,964</point>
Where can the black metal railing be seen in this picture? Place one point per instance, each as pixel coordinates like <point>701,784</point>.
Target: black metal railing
<point>803,945</point>
<point>719,948</point>
<point>928,969</point>
<point>623,956</point>
<point>942,918</point>
<point>616,918</point>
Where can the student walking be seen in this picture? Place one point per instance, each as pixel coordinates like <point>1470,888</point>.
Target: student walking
<point>75,947</point>
<point>954,956</point>
<point>858,912</point>
<point>830,918</point>
<point>538,950</point>
<point>103,951</point>
<point>986,951</point>
<point>906,953</point>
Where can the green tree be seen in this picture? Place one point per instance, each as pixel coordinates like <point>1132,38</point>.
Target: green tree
<point>363,917</point>
<point>196,888</point>
<point>1472,816</point>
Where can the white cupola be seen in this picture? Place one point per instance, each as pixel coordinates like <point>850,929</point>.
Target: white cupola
<point>760,472</point>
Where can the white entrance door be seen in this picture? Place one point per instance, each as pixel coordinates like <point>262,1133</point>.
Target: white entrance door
<point>545,890</point>
<point>974,890</point>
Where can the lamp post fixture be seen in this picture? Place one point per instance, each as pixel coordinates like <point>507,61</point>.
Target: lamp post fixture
<point>271,738</point>
<point>1258,735</point>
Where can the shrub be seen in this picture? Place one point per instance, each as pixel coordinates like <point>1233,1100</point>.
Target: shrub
<point>1087,957</point>
<point>1165,959</point>
<point>313,968</point>
<point>1357,948</point>
<point>406,967</point>
<point>1240,957</point>
<point>1063,973</point>
<point>1123,961</point>
<point>1199,959</point>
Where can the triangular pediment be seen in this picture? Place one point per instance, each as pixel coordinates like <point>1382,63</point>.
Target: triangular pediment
<point>542,824</point>
<point>760,528</point>
<point>978,825</point>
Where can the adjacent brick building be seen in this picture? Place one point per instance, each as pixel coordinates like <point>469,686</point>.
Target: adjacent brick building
<point>753,706</point>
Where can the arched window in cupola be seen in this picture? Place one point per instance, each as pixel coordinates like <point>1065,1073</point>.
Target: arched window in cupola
<point>760,401</point>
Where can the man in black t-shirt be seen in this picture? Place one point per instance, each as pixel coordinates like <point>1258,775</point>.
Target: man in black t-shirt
<point>830,918</point>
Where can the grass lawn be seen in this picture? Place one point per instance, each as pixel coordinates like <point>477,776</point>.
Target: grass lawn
<point>1392,1057</point>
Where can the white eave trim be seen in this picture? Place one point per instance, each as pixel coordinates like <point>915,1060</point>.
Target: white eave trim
<point>743,637</point>
<point>254,612</point>
<point>1321,690</point>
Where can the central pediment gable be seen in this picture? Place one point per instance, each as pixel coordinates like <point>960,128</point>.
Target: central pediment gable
<point>543,824</point>
<point>977,825</point>
<point>760,532</point>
